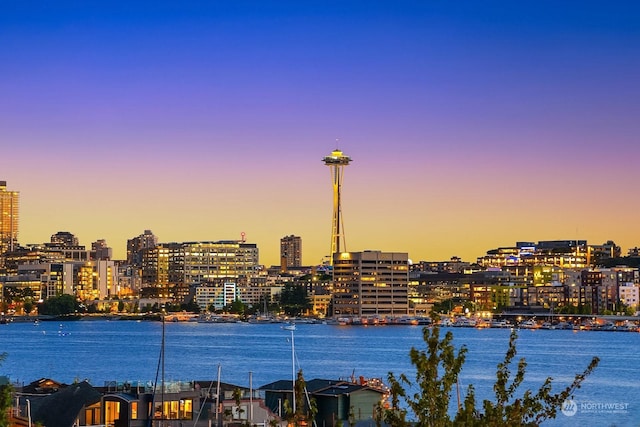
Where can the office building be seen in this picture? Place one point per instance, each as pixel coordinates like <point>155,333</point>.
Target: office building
<point>8,218</point>
<point>290,252</point>
<point>370,283</point>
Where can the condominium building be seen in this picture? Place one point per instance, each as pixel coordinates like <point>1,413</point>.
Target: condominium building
<point>88,281</point>
<point>137,245</point>
<point>290,252</point>
<point>563,253</point>
<point>194,263</point>
<point>370,283</point>
<point>8,218</point>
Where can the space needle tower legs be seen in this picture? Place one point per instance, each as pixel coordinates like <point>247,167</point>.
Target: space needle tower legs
<point>337,161</point>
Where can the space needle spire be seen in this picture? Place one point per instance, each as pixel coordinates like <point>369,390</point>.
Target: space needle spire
<point>336,162</point>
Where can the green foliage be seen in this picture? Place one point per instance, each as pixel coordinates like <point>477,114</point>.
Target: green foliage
<point>60,305</point>
<point>27,306</point>
<point>437,369</point>
<point>236,307</point>
<point>5,404</point>
<point>294,300</point>
<point>306,410</point>
<point>191,306</point>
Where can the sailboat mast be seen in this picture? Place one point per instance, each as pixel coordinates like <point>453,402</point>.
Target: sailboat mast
<point>162,355</point>
<point>218,398</point>
<point>293,370</point>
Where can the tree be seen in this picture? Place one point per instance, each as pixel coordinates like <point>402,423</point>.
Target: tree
<point>437,370</point>
<point>60,305</point>
<point>237,396</point>
<point>236,307</point>
<point>294,300</point>
<point>528,410</point>
<point>306,409</point>
<point>27,306</point>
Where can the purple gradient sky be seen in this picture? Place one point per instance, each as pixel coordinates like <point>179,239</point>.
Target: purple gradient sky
<point>471,124</point>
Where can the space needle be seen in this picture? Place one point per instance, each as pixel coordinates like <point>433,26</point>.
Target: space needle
<point>337,161</point>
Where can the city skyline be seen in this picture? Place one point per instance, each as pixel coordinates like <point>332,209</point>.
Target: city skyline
<point>470,126</point>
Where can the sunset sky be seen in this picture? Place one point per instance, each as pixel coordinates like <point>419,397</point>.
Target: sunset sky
<point>471,124</point>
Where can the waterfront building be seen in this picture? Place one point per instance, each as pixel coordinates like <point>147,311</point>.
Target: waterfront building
<point>563,253</point>
<point>290,252</point>
<point>225,259</point>
<point>629,294</point>
<point>257,293</point>
<point>138,404</point>
<point>88,281</point>
<point>370,283</point>
<point>215,295</point>
<point>337,401</point>
<point>174,269</point>
<point>9,203</point>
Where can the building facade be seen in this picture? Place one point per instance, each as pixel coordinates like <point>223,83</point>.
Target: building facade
<point>290,252</point>
<point>64,239</point>
<point>137,246</point>
<point>370,283</point>
<point>195,263</point>
<point>9,203</point>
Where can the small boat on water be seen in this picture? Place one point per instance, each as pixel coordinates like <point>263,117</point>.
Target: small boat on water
<point>499,323</point>
<point>528,324</point>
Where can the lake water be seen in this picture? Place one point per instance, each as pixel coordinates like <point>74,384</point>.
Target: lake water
<point>129,351</point>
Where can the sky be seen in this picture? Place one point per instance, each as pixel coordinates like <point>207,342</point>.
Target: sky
<point>471,124</point>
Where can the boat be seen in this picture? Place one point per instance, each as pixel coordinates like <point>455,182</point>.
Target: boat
<point>464,322</point>
<point>499,323</point>
<point>627,327</point>
<point>528,324</point>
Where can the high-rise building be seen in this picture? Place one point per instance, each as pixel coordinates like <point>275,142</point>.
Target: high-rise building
<point>337,161</point>
<point>8,218</point>
<point>370,283</point>
<point>290,252</point>
<point>137,245</point>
